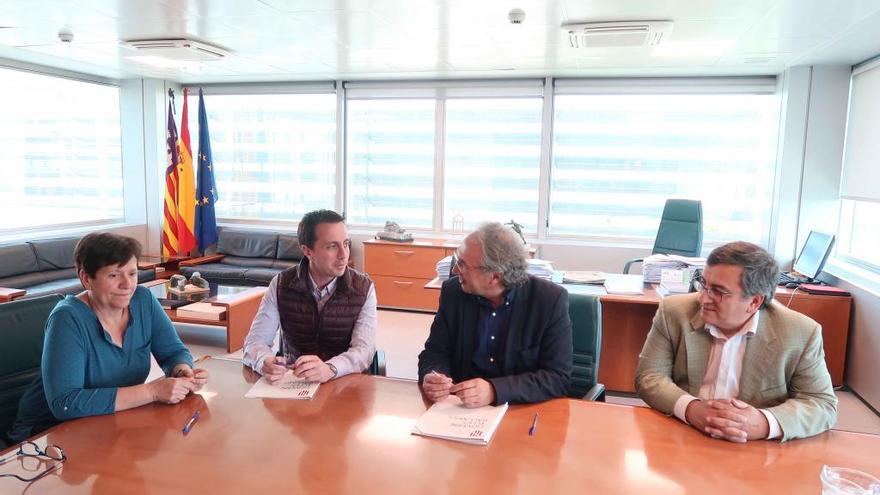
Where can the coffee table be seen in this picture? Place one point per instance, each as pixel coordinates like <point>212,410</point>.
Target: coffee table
<point>241,305</point>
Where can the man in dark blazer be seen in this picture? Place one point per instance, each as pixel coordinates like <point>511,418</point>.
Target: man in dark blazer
<point>500,335</point>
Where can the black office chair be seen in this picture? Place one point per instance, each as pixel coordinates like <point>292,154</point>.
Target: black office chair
<point>22,324</point>
<point>377,367</point>
<point>586,336</point>
<point>680,231</point>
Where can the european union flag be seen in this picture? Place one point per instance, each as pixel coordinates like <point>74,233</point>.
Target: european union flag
<point>206,187</point>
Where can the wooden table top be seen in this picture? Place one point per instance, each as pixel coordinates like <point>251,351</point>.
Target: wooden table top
<point>354,436</point>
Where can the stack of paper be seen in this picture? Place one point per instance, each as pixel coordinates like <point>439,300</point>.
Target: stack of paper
<point>290,387</point>
<point>444,266</point>
<point>202,311</point>
<point>540,268</point>
<point>583,277</point>
<point>653,265</point>
<point>624,284</point>
<point>674,282</point>
<point>450,420</point>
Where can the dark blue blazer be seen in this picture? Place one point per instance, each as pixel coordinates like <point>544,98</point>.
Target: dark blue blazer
<point>537,363</point>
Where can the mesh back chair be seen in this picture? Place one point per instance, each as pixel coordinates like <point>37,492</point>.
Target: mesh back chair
<point>680,231</point>
<point>586,336</point>
<point>377,367</point>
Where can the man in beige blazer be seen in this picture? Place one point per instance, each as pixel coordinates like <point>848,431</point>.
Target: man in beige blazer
<point>732,362</point>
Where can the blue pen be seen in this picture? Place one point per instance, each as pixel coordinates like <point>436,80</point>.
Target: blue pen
<point>534,426</point>
<point>189,424</point>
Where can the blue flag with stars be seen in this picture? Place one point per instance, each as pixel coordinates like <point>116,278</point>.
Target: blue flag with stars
<point>206,188</point>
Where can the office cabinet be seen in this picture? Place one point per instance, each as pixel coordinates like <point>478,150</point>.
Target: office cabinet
<point>400,271</point>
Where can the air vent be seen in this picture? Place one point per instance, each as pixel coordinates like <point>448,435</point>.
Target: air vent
<point>617,33</point>
<point>178,49</point>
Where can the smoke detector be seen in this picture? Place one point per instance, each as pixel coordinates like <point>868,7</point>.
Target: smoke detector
<point>516,16</point>
<point>617,33</point>
<point>178,49</point>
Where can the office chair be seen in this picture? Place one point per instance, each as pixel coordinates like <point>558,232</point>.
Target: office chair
<point>680,231</point>
<point>586,337</point>
<point>377,367</point>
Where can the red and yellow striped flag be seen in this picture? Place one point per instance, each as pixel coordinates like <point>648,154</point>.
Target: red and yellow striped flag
<point>171,220</point>
<point>186,187</point>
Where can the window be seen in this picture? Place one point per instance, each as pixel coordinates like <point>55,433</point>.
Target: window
<point>492,161</point>
<point>858,235</point>
<point>274,154</point>
<point>618,157</point>
<point>60,152</point>
<point>390,162</point>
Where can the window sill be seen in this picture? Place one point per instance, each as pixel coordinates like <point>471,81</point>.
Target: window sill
<point>854,275</point>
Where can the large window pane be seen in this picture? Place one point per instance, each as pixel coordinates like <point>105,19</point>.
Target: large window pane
<point>390,162</point>
<point>274,154</point>
<point>493,158</point>
<point>60,152</point>
<point>617,158</point>
<point>858,235</point>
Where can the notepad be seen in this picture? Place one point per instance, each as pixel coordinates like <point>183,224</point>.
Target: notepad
<point>583,277</point>
<point>203,311</point>
<point>290,387</point>
<point>450,420</point>
<point>625,284</point>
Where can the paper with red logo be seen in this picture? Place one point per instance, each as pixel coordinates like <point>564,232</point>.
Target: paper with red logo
<point>450,420</point>
<point>290,387</point>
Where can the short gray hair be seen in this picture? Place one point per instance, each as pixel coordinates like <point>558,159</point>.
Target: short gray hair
<point>760,270</point>
<point>503,252</point>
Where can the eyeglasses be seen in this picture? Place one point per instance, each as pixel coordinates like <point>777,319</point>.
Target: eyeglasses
<point>713,292</point>
<point>464,267</point>
<point>32,457</point>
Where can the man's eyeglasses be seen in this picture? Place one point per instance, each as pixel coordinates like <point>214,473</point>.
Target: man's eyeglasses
<point>32,459</point>
<point>713,292</point>
<point>464,267</point>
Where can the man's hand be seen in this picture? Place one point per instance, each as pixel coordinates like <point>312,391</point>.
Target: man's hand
<point>717,418</point>
<point>198,376</point>
<point>756,425</point>
<point>475,392</point>
<point>436,386</point>
<point>273,369</point>
<point>312,368</point>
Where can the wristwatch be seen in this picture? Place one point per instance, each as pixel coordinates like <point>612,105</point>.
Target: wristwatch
<point>333,369</point>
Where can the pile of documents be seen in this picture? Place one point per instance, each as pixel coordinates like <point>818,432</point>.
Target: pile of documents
<point>450,420</point>
<point>654,265</point>
<point>583,277</point>
<point>289,387</point>
<point>674,282</point>
<point>444,266</point>
<point>629,285</point>
<point>540,268</point>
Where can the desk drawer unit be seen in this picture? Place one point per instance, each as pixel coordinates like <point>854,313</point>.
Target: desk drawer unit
<point>400,272</point>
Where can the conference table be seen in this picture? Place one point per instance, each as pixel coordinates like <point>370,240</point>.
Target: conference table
<point>354,437</point>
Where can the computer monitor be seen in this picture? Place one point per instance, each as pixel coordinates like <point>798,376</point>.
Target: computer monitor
<point>814,254</point>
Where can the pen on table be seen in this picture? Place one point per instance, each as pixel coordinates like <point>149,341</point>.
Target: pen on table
<point>534,426</point>
<point>189,424</point>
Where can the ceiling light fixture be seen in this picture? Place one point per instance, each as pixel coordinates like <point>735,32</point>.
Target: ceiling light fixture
<point>617,33</point>
<point>178,49</point>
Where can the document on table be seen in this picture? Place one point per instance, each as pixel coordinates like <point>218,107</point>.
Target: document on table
<point>450,420</point>
<point>624,284</point>
<point>290,387</point>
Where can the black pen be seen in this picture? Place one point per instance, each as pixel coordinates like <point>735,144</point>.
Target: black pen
<point>189,424</point>
<point>534,426</point>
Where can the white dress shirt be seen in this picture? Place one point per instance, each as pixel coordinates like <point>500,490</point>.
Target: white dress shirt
<point>267,323</point>
<point>723,372</point>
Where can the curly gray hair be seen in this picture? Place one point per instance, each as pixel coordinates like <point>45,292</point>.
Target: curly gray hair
<point>503,252</point>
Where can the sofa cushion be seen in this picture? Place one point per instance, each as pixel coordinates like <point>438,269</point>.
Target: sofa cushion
<point>54,254</point>
<point>243,261</point>
<point>21,347</point>
<point>284,264</point>
<point>63,286</point>
<point>53,275</point>
<point>260,276</point>
<point>17,259</point>
<point>250,244</point>
<point>289,248</point>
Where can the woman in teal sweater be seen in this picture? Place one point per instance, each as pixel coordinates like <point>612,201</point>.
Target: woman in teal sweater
<point>96,353</point>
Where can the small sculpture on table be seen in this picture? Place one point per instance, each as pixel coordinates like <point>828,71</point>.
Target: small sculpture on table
<point>517,227</point>
<point>393,232</point>
<point>196,285</point>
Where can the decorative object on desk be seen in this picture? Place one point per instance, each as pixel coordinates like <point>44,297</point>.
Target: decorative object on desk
<point>458,224</point>
<point>178,282</point>
<point>290,387</point>
<point>394,233</point>
<point>450,420</point>
<point>517,227</point>
<point>198,281</point>
<point>202,311</point>
<point>845,481</point>
<point>583,277</point>
<point>824,290</point>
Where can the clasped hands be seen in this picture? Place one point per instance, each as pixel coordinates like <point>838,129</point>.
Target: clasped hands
<point>475,392</point>
<point>183,380</point>
<point>307,366</point>
<point>729,419</point>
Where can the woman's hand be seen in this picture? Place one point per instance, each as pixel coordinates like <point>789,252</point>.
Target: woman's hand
<point>171,390</point>
<point>198,376</point>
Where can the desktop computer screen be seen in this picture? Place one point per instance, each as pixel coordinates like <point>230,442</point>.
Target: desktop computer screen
<point>814,254</point>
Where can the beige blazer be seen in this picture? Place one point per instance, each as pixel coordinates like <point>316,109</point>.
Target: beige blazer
<point>783,368</point>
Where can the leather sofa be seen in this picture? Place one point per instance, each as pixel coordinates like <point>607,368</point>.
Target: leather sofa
<point>45,267</point>
<point>22,324</point>
<point>246,257</point>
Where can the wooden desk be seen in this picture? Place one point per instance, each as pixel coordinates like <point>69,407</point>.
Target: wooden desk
<point>626,321</point>
<point>8,294</point>
<point>354,436</point>
<point>241,307</point>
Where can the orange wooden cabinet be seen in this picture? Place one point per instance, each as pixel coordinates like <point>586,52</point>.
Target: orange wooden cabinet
<point>401,270</point>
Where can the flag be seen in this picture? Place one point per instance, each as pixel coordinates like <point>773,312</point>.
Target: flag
<point>186,190</point>
<point>169,225</point>
<point>206,189</point>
